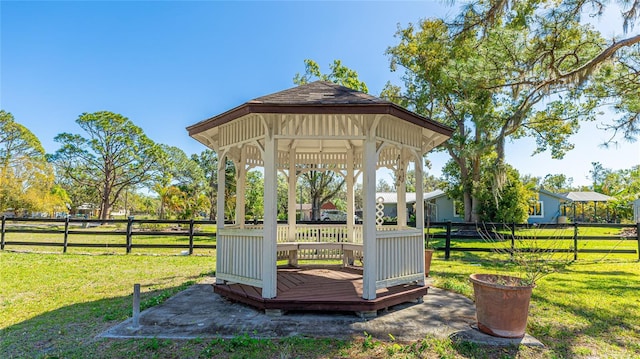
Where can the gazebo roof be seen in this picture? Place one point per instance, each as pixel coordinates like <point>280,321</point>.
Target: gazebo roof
<point>317,93</point>
<point>320,97</point>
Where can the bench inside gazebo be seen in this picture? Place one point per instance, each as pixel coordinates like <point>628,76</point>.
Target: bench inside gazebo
<point>320,126</point>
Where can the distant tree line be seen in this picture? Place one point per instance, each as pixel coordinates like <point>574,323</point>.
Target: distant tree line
<point>113,166</point>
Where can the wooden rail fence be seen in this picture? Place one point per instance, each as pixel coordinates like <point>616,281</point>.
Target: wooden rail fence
<point>459,236</point>
<point>450,236</point>
<point>128,233</point>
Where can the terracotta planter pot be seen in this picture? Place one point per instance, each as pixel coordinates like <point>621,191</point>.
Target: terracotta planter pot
<point>428,254</point>
<point>502,305</point>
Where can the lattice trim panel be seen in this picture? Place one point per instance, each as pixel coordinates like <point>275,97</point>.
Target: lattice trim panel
<point>320,125</point>
<point>400,132</point>
<point>242,130</point>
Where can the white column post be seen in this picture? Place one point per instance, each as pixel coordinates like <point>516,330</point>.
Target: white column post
<point>241,184</point>
<point>351,211</point>
<point>370,272</point>
<point>419,195</point>
<point>220,208</point>
<point>269,246</point>
<point>221,186</point>
<point>420,208</point>
<point>348,257</point>
<point>401,172</point>
<point>293,180</point>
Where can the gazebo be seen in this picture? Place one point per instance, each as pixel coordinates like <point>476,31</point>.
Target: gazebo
<point>319,126</point>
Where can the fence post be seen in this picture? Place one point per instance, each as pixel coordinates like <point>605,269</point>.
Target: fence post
<point>136,306</point>
<point>513,238</point>
<point>575,241</point>
<point>447,243</point>
<point>191,229</point>
<point>129,232</point>
<point>4,218</point>
<point>637,237</point>
<point>66,234</point>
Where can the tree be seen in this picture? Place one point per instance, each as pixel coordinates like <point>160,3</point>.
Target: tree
<point>623,185</point>
<point>383,186</point>
<point>138,203</point>
<point>322,182</point>
<point>76,195</point>
<point>114,156</point>
<point>429,182</point>
<point>513,204</point>
<point>503,72</point>
<point>340,75</point>
<point>177,169</point>
<point>322,187</point>
<point>557,183</point>
<point>283,197</point>
<point>598,174</point>
<point>208,162</point>
<point>26,179</point>
<point>254,205</point>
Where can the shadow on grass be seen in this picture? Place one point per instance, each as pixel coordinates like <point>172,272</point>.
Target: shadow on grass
<point>70,331</point>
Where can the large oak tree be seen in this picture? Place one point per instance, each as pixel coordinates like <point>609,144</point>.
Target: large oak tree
<point>510,69</point>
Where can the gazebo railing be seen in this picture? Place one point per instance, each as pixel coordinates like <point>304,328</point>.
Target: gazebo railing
<point>400,257</point>
<point>316,233</point>
<point>239,256</point>
<point>306,233</point>
<point>400,251</point>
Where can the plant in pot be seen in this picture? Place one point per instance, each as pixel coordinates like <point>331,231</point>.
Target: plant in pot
<point>428,251</point>
<point>428,255</point>
<point>502,301</point>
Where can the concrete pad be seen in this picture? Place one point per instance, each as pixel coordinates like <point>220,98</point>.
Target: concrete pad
<point>198,312</point>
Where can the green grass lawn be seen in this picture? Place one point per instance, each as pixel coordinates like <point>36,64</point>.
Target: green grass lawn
<point>53,305</point>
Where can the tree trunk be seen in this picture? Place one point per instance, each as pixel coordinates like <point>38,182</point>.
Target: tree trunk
<point>105,210</point>
<point>468,205</point>
<point>315,207</point>
<point>161,215</point>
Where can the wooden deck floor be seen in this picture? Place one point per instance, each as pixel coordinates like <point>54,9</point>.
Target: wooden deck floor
<point>321,289</point>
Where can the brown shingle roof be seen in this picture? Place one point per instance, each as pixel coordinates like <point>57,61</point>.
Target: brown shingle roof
<point>319,97</point>
<point>316,93</point>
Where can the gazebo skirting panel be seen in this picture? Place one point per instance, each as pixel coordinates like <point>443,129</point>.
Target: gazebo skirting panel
<point>321,289</point>
<point>400,251</point>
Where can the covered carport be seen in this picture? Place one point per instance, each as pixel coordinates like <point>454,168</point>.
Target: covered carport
<point>582,199</point>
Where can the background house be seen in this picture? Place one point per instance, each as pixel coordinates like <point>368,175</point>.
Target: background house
<point>438,207</point>
<point>549,207</point>
<point>303,211</point>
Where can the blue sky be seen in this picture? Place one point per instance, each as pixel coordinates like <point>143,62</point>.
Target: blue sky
<point>166,64</point>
